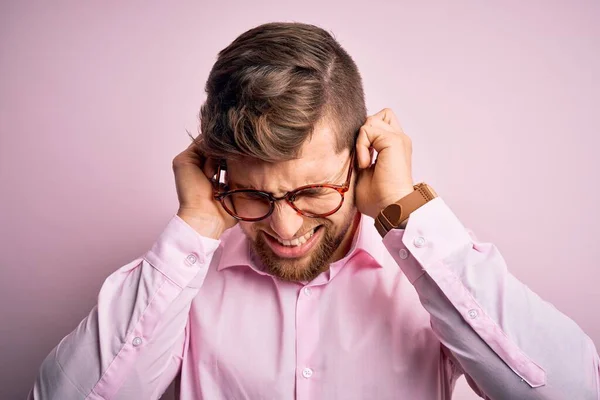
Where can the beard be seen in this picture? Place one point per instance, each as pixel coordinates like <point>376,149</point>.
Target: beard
<point>309,266</point>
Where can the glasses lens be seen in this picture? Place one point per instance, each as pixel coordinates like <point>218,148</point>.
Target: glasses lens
<point>247,204</point>
<point>318,200</point>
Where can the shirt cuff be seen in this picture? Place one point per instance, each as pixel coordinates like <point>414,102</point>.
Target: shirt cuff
<point>180,253</point>
<point>440,246</point>
<point>432,234</point>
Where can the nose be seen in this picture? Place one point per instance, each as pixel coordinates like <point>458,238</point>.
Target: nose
<point>285,221</point>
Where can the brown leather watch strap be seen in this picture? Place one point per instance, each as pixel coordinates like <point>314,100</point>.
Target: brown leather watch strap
<point>393,215</point>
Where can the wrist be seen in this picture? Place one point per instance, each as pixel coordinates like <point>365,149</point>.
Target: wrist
<point>393,198</point>
<point>395,215</point>
<point>206,225</point>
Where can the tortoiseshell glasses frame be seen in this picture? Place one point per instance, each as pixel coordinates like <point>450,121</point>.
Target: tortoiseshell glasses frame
<point>289,197</point>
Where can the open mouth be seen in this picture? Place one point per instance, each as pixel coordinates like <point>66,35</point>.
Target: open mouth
<point>296,247</point>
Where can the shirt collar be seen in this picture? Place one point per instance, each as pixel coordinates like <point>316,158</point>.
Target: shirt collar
<point>236,249</point>
<point>367,242</point>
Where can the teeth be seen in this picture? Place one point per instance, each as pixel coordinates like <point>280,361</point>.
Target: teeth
<point>297,241</point>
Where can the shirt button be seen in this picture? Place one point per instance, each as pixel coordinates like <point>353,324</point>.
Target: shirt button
<point>473,313</point>
<point>191,259</point>
<point>420,241</point>
<point>307,372</point>
<point>307,291</point>
<point>403,254</point>
<point>136,341</point>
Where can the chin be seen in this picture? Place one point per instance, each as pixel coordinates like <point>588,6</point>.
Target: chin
<point>303,268</point>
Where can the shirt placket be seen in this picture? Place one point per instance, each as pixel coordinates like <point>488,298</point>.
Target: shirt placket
<point>308,369</point>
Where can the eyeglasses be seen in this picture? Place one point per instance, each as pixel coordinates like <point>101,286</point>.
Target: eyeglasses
<point>314,201</point>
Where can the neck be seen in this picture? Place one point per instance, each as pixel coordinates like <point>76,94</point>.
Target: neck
<point>346,244</point>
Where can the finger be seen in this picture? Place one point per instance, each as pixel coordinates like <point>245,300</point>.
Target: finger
<point>378,123</point>
<point>370,137</point>
<point>388,116</point>
<point>207,164</point>
<point>210,168</point>
<point>365,161</point>
<point>363,149</point>
<point>379,140</point>
<point>194,153</point>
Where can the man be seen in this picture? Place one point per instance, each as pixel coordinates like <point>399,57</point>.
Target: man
<point>273,282</point>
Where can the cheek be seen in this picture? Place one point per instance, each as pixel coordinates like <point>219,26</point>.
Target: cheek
<point>340,218</point>
<point>347,208</point>
<point>344,214</point>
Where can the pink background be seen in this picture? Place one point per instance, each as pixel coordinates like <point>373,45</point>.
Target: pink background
<point>502,103</point>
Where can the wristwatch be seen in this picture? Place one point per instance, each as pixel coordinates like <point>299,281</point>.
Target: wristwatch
<point>395,214</point>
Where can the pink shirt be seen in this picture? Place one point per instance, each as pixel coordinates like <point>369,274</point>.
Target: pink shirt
<point>399,318</point>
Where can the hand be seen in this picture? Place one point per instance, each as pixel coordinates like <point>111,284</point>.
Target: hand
<point>194,190</point>
<point>390,177</point>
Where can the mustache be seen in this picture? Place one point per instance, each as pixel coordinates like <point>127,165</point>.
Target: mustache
<point>301,232</point>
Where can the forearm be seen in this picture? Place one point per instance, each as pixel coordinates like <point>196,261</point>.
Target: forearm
<point>565,356</point>
<point>138,323</point>
<point>511,343</point>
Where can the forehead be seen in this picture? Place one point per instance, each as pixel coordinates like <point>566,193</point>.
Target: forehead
<point>317,163</point>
